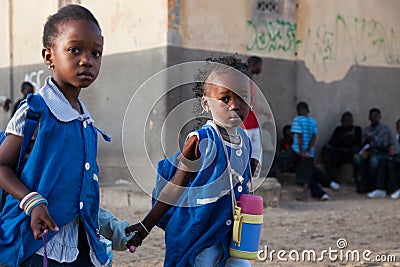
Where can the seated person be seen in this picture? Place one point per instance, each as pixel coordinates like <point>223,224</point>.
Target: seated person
<point>394,167</point>
<point>376,146</point>
<point>388,174</point>
<point>345,142</point>
<point>318,178</point>
<point>284,146</point>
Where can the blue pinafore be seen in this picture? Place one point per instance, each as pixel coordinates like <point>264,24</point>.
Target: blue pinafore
<point>62,167</point>
<point>203,214</point>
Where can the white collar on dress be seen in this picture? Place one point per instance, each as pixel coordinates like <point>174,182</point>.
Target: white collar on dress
<point>59,105</point>
<point>235,146</point>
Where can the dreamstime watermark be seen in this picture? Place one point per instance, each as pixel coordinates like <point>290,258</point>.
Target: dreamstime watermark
<point>339,254</point>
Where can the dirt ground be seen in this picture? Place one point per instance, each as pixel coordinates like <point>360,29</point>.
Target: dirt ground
<point>348,225</point>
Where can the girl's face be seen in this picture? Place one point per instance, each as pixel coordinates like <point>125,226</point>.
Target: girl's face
<point>227,96</point>
<point>76,54</point>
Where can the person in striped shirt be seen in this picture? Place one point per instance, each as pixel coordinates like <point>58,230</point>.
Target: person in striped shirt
<point>301,153</point>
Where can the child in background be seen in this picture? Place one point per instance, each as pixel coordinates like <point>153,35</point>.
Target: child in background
<point>317,179</point>
<point>301,153</point>
<point>198,229</point>
<point>26,89</point>
<point>56,194</point>
<point>304,129</point>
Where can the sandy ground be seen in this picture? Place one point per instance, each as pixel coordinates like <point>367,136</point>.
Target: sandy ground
<point>297,227</point>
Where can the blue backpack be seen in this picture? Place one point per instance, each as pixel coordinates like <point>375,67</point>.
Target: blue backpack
<point>32,119</point>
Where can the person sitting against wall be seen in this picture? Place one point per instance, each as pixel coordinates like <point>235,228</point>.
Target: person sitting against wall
<point>344,143</point>
<point>388,174</point>
<point>376,146</point>
<point>318,178</point>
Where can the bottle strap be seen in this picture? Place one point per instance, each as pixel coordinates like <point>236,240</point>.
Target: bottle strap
<point>230,173</point>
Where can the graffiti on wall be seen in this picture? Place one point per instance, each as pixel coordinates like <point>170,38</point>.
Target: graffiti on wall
<point>273,36</point>
<point>34,79</point>
<point>363,40</point>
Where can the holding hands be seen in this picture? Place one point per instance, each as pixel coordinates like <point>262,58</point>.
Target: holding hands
<point>140,232</point>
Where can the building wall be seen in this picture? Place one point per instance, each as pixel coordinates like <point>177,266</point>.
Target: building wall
<point>364,33</point>
<point>336,55</point>
<point>313,50</point>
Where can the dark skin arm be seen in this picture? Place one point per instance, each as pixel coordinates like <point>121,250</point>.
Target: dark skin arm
<point>306,154</point>
<point>41,220</point>
<point>310,145</point>
<point>300,141</point>
<point>170,194</point>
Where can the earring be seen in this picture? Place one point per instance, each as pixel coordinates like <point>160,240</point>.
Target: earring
<point>50,67</point>
<point>204,105</point>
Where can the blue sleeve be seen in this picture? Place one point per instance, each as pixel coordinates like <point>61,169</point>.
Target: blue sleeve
<point>315,127</point>
<point>112,229</point>
<point>295,128</point>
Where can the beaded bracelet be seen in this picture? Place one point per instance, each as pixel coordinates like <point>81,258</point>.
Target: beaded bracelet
<point>41,201</point>
<point>26,198</point>
<point>31,201</point>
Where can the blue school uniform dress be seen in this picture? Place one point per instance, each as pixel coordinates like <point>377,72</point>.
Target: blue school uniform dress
<point>62,167</point>
<point>203,216</point>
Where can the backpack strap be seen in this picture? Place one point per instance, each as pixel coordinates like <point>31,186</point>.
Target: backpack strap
<point>202,134</point>
<point>32,119</point>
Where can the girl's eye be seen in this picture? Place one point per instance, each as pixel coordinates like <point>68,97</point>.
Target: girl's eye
<point>225,99</point>
<point>73,50</point>
<point>97,53</point>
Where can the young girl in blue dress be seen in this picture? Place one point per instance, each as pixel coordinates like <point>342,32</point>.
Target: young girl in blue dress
<point>57,192</point>
<point>195,208</point>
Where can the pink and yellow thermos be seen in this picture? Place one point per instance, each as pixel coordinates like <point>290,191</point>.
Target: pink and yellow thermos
<point>247,225</point>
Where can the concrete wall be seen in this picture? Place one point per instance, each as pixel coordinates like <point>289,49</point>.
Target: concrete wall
<point>135,34</point>
<point>336,55</point>
<point>335,35</point>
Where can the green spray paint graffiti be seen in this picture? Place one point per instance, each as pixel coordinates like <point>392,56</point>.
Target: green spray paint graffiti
<point>364,40</point>
<point>321,52</point>
<point>273,36</point>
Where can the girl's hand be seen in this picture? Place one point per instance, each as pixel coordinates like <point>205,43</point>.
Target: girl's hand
<point>140,235</point>
<point>41,221</point>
